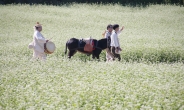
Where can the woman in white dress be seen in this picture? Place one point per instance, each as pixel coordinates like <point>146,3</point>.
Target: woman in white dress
<point>38,43</point>
<point>107,35</point>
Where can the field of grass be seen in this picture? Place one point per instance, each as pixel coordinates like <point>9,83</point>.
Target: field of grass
<point>150,75</point>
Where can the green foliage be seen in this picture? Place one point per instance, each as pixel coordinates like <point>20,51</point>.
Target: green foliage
<point>150,75</point>
<point>123,2</point>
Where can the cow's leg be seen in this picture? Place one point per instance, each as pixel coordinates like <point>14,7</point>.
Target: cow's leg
<point>71,53</point>
<point>93,56</point>
<point>97,57</point>
<point>96,54</point>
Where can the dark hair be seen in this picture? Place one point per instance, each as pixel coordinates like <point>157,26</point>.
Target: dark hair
<point>36,27</point>
<point>109,26</point>
<point>115,26</point>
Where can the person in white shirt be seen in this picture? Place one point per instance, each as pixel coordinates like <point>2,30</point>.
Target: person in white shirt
<point>115,46</point>
<point>38,43</point>
<point>107,35</point>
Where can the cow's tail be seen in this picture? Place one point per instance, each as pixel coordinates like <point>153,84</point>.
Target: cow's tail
<point>66,48</point>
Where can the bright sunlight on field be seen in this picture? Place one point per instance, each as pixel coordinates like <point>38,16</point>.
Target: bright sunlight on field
<point>150,75</point>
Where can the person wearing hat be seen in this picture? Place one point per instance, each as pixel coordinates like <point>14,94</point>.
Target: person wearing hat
<point>38,43</point>
<point>107,35</point>
<point>115,46</point>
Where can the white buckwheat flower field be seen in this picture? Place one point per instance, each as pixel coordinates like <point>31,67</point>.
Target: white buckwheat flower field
<point>150,75</point>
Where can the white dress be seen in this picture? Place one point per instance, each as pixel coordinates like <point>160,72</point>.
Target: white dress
<point>38,46</point>
<point>109,55</point>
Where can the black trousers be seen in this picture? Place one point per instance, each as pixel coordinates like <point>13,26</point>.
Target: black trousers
<point>114,53</point>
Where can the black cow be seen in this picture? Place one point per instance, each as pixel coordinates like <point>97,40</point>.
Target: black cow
<point>75,45</point>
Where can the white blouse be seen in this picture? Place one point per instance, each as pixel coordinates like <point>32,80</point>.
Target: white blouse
<point>115,39</point>
<point>38,41</point>
<point>107,34</point>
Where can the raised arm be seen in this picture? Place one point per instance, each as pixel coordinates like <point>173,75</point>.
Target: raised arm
<point>120,30</point>
<point>103,34</point>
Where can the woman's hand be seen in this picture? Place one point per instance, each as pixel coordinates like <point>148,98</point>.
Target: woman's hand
<point>122,28</point>
<point>116,50</point>
<point>103,34</point>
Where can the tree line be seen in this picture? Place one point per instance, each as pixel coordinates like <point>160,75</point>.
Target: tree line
<point>122,2</point>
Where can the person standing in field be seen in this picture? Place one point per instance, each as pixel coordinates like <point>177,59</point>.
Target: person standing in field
<point>107,35</point>
<point>38,43</point>
<point>115,45</point>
